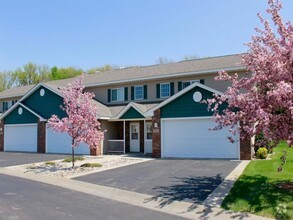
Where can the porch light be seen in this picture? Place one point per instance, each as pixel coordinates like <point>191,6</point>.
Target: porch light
<point>155,125</point>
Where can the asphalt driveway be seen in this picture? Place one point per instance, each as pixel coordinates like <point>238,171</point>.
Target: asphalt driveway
<point>26,199</point>
<point>181,180</point>
<point>13,159</point>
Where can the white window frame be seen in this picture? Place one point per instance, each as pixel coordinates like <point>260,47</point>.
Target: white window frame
<point>146,131</point>
<point>161,84</point>
<point>135,98</point>
<point>118,100</point>
<point>189,81</point>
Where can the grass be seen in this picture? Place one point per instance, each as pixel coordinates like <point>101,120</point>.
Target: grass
<point>50,163</point>
<point>256,192</point>
<point>69,159</point>
<point>91,165</point>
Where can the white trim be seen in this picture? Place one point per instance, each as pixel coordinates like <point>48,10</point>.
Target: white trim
<point>126,108</point>
<point>202,117</point>
<point>167,83</point>
<point>135,93</point>
<point>183,91</point>
<point>31,111</point>
<point>22,105</point>
<point>131,119</point>
<point>172,75</point>
<point>123,89</point>
<point>27,95</point>
<point>15,125</point>
<point>237,136</point>
<point>138,135</point>
<point>103,118</point>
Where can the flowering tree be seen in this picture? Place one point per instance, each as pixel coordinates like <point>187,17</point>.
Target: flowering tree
<point>263,99</point>
<point>81,122</point>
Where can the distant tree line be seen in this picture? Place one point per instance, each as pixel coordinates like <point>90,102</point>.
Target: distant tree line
<point>31,73</point>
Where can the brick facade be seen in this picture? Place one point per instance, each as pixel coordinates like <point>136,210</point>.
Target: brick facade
<point>156,120</point>
<point>95,151</point>
<point>41,137</point>
<point>2,135</point>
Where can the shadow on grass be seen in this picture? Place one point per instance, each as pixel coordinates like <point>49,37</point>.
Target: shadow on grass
<point>256,194</point>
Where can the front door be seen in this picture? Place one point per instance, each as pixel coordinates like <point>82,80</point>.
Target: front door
<point>134,137</point>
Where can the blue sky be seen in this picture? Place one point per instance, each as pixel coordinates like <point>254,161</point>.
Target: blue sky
<point>90,33</point>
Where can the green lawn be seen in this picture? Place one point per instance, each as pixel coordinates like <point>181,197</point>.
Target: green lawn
<point>255,190</point>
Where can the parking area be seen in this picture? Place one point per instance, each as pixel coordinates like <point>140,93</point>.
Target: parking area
<point>181,180</point>
<point>12,159</point>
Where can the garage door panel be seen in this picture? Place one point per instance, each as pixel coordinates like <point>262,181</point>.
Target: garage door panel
<point>192,138</point>
<point>57,142</point>
<point>21,138</point>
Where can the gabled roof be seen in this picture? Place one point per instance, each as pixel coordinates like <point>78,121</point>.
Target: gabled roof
<point>22,105</point>
<point>119,111</point>
<point>201,66</point>
<point>177,95</point>
<point>191,67</point>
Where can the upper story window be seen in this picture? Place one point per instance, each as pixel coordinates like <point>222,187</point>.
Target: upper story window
<point>117,95</point>
<point>138,92</point>
<point>164,90</point>
<point>8,104</point>
<point>188,83</point>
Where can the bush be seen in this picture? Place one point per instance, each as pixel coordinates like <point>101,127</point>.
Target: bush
<point>262,153</point>
<point>91,165</point>
<point>50,163</point>
<point>69,159</point>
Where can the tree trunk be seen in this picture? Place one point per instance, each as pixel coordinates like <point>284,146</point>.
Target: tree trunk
<point>72,153</point>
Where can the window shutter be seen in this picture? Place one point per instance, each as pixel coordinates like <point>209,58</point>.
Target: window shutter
<point>158,91</point>
<point>171,88</point>
<point>109,95</point>
<point>145,91</point>
<point>201,81</point>
<point>132,92</point>
<point>179,86</point>
<point>125,93</point>
<point>3,107</point>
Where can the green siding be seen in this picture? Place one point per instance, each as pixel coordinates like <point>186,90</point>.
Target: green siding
<point>131,113</point>
<point>25,118</point>
<point>185,106</point>
<point>46,105</point>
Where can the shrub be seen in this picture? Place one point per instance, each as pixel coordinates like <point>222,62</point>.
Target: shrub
<point>262,153</point>
<point>50,163</point>
<point>69,159</point>
<point>91,165</point>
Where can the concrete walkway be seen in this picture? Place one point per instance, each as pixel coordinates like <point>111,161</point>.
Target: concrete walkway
<point>182,209</point>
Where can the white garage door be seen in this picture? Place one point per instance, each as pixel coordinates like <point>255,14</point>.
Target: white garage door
<point>57,142</point>
<point>21,138</point>
<point>191,138</point>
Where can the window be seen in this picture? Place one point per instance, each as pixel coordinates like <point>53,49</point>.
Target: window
<point>149,129</point>
<point>138,92</point>
<point>117,95</point>
<point>188,83</point>
<point>165,90</point>
<point>7,105</point>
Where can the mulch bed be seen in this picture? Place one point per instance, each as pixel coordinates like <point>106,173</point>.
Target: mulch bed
<point>285,186</point>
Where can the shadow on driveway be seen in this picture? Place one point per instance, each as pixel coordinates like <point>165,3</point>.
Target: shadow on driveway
<point>188,189</point>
